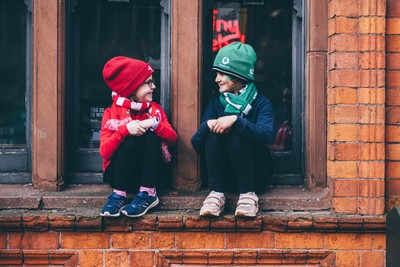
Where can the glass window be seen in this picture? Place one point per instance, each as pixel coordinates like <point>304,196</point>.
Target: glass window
<point>271,27</point>
<point>15,88</point>
<point>12,74</point>
<point>100,30</point>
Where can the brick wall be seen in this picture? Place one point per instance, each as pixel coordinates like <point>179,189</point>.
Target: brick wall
<point>161,239</point>
<point>356,105</point>
<point>393,104</point>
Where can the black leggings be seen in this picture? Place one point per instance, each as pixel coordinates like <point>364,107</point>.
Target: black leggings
<point>136,162</point>
<point>233,163</point>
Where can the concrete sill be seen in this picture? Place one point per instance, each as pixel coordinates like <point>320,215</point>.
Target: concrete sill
<point>94,196</point>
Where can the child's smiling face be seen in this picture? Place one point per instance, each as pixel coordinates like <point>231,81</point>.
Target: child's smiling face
<point>144,93</point>
<point>227,84</point>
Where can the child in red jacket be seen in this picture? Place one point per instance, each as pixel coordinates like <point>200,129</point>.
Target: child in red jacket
<point>135,135</point>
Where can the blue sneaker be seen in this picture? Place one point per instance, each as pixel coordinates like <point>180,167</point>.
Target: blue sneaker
<point>114,205</point>
<point>140,205</point>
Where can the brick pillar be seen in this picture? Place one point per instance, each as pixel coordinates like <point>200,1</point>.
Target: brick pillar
<point>393,104</point>
<point>356,105</point>
<point>48,86</point>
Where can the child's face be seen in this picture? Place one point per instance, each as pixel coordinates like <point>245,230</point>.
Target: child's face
<point>227,84</point>
<point>144,93</point>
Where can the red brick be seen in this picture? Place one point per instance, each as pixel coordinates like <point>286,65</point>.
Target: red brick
<point>393,78</point>
<point>250,240</point>
<point>85,240</point>
<point>343,114</point>
<point>372,169</point>
<point>141,258</point>
<point>254,224</point>
<point>350,223</point>
<point>165,258</point>
<point>345,8</point>
<point>10,222</point>
<point>144,223</point>
<point>136,240</point>
<point>276,222</point>
<point>196,223</point>
<point>347,259</point>
<point>393,26</point>
<point>371,188</point>
<point>392,61</point>
<point>344,205</point>
<point>379,241</point>
<point>374,223</point>
<point>372,78</point>
<point>88,223</point>
<point>343,43</point>
<point>294,257</point>
<point>63,258</point>
<point>162,240</point>
<point>372,60</point>
<point>170,222</point>
<point>392,115</point>
<point>325,222</point>
<point>343,151</point>
<point>244,257</point>
<point>225,224</point>
<point>116,258</point>
<point>392,43</point>
<point>35,222</point>
<point>372,151</point>
<point>372,133</point>
<point>342,25</point>
<point>220,257</point>
<point>298,222</point>
<point>33,240</point>
<point>36,258</point>
<point>372,8</point>
<point>62,222</point>
<point>372,25</point>
<point>299,240</point>
<point>392,187</point>
<point>342,169</point>
<point>347,241</point>
<point>11,257</point>
<point>393,8</point>
<point>371,206</point>
<point>192,240</point>
<point>393,151</point>
<point>371,43</point>
<point>392,134</point>
<point>392,170</point>
<point>195,257</point>
<point>372,258</point>
<point>271,257</point>
<point>342,96</point>
<point>343,132</point>
<point>343,60</point>
<point>116,224</point>
<point>372,114</point>
<point>90,258</point>
<point>345,188</point>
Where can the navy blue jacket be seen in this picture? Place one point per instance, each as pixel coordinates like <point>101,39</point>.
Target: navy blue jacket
<point>257,126</point>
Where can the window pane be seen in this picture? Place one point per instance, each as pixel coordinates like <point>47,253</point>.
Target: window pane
<point>12,73</point>
<point>105,29</point>
<point>267,26</point>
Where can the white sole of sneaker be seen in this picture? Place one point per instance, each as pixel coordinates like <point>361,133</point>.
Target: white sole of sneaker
<point>152,205</point>
<point>245,215</point>
<point>107,214</point>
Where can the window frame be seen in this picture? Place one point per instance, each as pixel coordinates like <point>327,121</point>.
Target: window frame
<point>15,163</point>
<point>84,164</point>
<point>287,174</point>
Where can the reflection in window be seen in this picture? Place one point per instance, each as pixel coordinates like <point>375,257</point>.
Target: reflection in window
<point>267,26</point>
<point>12,73</point>
<point>101,30</point>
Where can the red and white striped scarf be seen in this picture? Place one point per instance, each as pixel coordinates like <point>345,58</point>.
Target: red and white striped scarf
<point>127,103</point>
<point>114,123</point>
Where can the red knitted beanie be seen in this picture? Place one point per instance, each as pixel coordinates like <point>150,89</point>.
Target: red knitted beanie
<point>124,75</point>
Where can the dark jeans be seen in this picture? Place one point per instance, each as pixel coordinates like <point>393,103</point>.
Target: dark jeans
<point>233,163</point>
<point>136,162</point>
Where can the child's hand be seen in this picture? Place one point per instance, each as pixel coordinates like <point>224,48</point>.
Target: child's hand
<point>211,123</point>
<point>223,124</point>
<point>134,128</point>
<point>147,124</point>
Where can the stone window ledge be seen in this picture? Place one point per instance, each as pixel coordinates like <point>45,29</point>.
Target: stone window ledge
<point>77,209</point>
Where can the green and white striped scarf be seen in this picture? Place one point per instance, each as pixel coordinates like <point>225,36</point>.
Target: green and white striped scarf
<point>240,103</point>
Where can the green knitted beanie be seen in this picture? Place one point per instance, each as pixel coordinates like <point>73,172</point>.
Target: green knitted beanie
<point>236,59</point>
